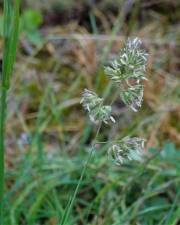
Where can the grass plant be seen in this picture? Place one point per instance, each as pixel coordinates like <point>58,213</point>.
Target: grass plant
<point>48,137</point>
<point>11,24</point>
<point>130,64</point>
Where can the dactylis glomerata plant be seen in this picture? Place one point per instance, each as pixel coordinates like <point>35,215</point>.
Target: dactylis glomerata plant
<point>126,72</point>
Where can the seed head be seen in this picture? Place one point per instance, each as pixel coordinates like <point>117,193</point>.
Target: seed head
<point>129,64</point>
<point>94,105</point>
<point>133,96</point>
<point>127,149</point>
<point>129,67</point>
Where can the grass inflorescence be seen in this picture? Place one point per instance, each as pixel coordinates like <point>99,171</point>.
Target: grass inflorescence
<point>129,64</point>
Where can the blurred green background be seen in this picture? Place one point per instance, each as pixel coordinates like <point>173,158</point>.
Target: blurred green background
<point>63,46</point>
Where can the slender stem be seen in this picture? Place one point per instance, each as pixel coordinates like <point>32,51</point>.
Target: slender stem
<point>2,133</point>
<point>3,93</point>
<point>72,199</point>
<point>10,35</point>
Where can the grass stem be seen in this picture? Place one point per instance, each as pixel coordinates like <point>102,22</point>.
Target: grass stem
<point>2,128</point>
<point>10,35</point>
<point>72,199</point>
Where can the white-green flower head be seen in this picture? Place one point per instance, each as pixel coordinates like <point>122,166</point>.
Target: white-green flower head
<point>132,96</point>
<point>90,100</point>
<point>96,110</point>
<point>130,63</point>
<point>126,150</point>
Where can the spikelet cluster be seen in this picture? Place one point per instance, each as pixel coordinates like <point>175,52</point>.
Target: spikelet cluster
<point>94,105</point>
<point>132,96</point>
<point>127,72</point>
<point>127,149</point>
<point>130,64</point>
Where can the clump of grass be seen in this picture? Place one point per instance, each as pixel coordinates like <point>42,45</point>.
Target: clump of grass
<point>129,194</point>
<point>11,24</point>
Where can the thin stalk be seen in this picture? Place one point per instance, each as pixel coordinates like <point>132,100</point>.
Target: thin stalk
<point>72,199</point>
<point>2,129</point>
<point>10,35</point>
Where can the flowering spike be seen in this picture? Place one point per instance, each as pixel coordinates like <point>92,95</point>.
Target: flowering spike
<point>127,71</point>
<point>127,149</point>
<point>129,65</point>
<point>133,96</point>
<point>94,105</point>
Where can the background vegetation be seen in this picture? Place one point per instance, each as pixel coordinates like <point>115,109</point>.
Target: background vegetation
<point>62,49</point>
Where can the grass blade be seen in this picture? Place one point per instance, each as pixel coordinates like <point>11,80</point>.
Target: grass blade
<point>11,22</point>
